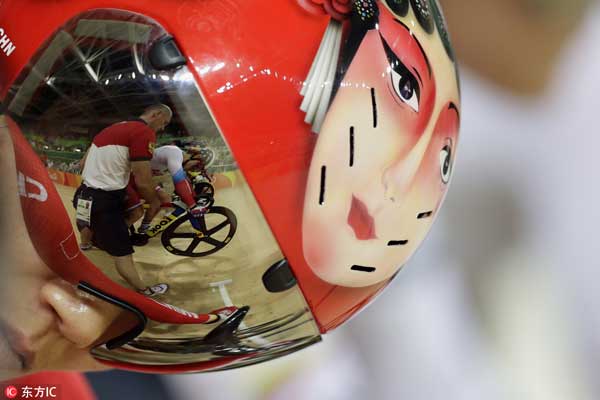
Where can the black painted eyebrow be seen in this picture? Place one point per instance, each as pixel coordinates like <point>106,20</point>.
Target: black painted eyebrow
<point>418,44</point>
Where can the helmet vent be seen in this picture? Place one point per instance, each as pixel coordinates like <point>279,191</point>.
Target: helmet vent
<point>165,54</point>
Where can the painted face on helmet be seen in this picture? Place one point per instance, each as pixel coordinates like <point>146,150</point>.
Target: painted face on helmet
<point>385,150</point>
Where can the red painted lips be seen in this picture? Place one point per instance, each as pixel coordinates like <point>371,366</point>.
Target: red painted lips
<point>361,221</point>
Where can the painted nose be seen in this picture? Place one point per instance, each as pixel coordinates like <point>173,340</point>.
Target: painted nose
<point>399,177</point>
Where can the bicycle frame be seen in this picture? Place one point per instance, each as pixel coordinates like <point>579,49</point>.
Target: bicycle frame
<point>178,212</point>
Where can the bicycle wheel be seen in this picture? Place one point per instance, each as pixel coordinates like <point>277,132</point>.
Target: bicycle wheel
<point>218,226</point>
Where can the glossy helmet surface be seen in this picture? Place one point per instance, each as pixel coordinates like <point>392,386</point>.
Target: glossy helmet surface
<point>328,129</point>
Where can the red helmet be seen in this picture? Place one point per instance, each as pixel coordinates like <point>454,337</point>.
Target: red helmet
<point>331,127</point>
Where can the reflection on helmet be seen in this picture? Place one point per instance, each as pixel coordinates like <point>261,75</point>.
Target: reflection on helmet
<point>292,232</point>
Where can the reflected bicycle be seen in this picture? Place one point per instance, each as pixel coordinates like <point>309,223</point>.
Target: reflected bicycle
<point>187,236</point>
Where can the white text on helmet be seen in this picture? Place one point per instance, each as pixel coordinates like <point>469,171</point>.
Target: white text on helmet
<point>6,45</point>
<point>40,193</point>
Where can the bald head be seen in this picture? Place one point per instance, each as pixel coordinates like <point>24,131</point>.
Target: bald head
<point>157,116</point>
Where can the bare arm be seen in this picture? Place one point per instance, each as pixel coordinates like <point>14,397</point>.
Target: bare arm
<point>83,160</point>
<point>142,174</point>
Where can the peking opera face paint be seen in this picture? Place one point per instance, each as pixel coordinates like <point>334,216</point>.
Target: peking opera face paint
<point>383,156</point>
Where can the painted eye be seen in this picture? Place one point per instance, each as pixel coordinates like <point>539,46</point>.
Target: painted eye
<point>406,88</point>
<point>404,83</point>
<point>446,163</point>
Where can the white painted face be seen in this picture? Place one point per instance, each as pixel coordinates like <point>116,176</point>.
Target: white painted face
<point>383,157</point>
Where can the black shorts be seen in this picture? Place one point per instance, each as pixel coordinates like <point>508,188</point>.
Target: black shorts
<point>111,232</point>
